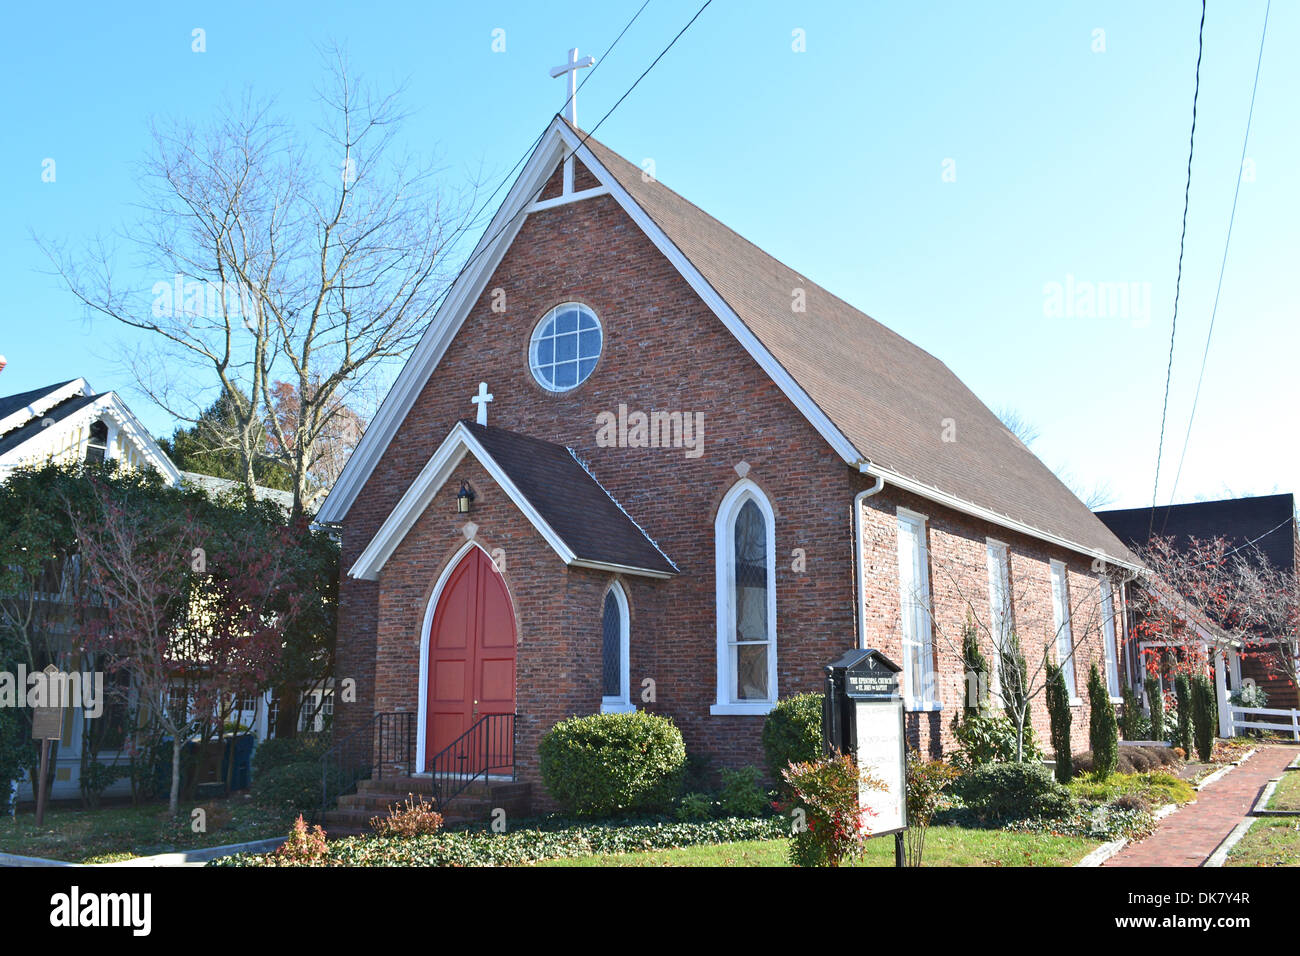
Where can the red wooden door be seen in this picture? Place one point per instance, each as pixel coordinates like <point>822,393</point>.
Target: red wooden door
<point>471,668</point>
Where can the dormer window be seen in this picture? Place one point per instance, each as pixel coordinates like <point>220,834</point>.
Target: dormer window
<point>565,347</point>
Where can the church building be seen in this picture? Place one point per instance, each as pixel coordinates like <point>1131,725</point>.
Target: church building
<point>636,462</point>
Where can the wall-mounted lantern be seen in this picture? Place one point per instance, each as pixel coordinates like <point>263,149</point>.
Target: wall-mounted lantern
<point>464,498</point>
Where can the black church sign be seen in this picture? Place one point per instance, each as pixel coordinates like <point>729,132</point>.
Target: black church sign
<point>863,715</point>
<point>872,676</point>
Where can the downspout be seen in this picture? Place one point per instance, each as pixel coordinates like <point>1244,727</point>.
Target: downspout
<point>859,568</point>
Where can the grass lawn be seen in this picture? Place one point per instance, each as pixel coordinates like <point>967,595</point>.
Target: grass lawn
<point>944,846</point>
<point>118,833</point>
<point>1269,842</point>
<point>1287,794</point>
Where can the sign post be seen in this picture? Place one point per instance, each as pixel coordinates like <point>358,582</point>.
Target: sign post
<point>47,725</point>
<point>863,715</point>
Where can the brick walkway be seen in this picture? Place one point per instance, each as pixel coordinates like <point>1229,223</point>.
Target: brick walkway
<point>1188,837</point>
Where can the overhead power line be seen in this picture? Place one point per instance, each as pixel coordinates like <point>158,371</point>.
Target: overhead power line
<point>1214,311</point>
<point>523,210</point>
<point>1182,243</point>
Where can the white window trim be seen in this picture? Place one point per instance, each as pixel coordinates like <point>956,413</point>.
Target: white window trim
<point>1064,629</point>
<point>925,605</point>
<point>621,704</point>
<point>998,558</point>
<point>725,598</point>
<point>553,315</point>
<point>1110,652</point>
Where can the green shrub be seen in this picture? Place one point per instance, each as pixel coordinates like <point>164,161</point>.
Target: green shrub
<point>1132,720</point>
<point>1183,695</point>
<point>741,795</point>
<point>792,733</point>
<point>976,668</point>
<point>1058,711</point>
<point>292,786</point>
<point>694,806</point>
<point>1203,709</point>
<point>279,751</point>
<point>1103,732</point>
<point>990,738</point>
<point>606,764</point>
<point>1249,695</point>
<point>1011,791</point>
<point>1156,701</point>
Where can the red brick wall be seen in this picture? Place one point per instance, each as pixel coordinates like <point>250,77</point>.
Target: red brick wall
<point>664,350</point>
<point>959,582</point>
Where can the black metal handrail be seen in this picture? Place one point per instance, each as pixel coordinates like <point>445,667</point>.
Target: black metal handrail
<point>386,740</point>
<point>487,746</point>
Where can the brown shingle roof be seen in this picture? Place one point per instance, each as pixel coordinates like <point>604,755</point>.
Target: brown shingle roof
<point>886,395</point>
<point>569,498</point>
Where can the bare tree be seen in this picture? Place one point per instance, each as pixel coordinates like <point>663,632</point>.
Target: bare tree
<point>1268,603</point>
<point>278,256</point>
<point>1021,649</point>
<point>1018,425</point>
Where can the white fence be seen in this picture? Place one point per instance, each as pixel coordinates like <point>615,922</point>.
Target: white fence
<point>1290,725</point>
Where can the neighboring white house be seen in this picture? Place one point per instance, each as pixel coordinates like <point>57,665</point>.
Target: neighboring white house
<point>69,422</point>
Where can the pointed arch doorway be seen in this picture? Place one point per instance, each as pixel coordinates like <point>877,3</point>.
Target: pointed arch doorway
<point>468,667</point>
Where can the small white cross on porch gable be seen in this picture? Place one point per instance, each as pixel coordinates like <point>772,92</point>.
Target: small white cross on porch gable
<point>572,68</point>
<point>481,400</point>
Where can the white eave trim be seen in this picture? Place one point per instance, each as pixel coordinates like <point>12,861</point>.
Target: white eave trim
<point>428,352</point>
<point>986,514</point>
<point>459,442</point>
<point>42,404</point>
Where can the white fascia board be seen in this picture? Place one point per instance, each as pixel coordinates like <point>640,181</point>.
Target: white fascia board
<point>619,568</point>
<point>428,352</point>
<point>422,491</point>
<point>139,435</point>
<point>43,404</point>
<point>985,514</point>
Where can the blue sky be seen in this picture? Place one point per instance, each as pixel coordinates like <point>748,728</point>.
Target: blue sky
<point>1069,168</point>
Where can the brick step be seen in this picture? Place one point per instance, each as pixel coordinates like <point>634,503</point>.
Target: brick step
<point>416,786</point>
<point>374,803</point>
<point>352,821</point>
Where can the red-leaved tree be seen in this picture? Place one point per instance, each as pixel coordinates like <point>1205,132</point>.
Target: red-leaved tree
<point>183,591</point>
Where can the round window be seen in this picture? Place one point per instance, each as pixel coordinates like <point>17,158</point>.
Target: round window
<point>565,347</point>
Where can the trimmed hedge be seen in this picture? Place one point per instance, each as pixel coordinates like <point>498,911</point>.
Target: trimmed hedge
<point>292,786</point>
<point>1058,712</point>
<point>1203,717</point>
<point>476,848</point>
<point>792,733</point>
<point>1156,700</point>
<point>1103,731</point>
<point>606,764</point>
<point>281,751</point>
<point>1013,791</point>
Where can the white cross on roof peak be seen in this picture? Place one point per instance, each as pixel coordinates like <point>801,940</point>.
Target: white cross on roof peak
<point>572,68</point>
<point>481,400</point>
